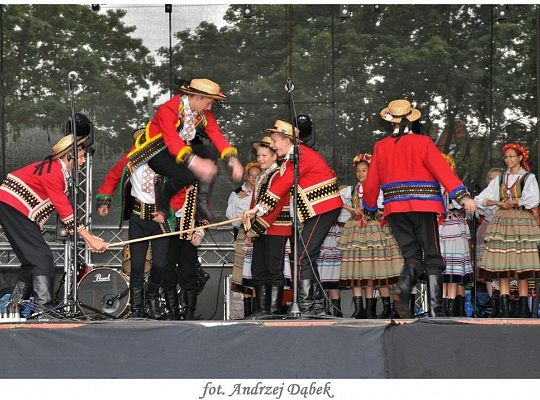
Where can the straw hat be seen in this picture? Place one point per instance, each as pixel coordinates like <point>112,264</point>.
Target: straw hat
<point>398,109</point>
<point>265,141</point>
<point>285,129</point>
<point>203,87</point>
<point>62,147</point>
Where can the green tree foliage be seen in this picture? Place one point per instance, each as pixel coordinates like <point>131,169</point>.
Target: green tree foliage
<point>42,43</point>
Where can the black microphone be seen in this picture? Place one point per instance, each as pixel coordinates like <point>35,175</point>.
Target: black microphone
<point>289,86</point>
<point>73,76</point>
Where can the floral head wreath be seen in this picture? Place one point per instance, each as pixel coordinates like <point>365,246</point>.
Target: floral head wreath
<point>522,150</point>
<point>250,165</point>
<point>362,157</point>
<point>450,160</point>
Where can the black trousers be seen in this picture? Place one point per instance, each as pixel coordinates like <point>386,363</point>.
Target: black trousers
<point>417,234</point>
<point>179,175</point>
<point>27,242</point>
<point>181,266</point>
<point>311,239</point>
<point>140,228</point>
<point>268,257</point>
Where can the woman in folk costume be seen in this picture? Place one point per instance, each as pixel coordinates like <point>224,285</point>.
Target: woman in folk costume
<point>410,170</point>
<point>370,255</point>
<point>485,215</point>
<point>454,238</point>
<point>239,201</point>
<point>513,235</point>
<point>270,235</point>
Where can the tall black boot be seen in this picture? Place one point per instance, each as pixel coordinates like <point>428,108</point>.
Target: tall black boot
<point>318,300</point>
<point>524,311</point>
<point>514,308</point>
<point>152,301</point>
<point>336,308</point>
<point>435,295</point>
<point>445,306</point>
<point>173,305</point>
<point>203,194</point>
<point>402,290</point>
<point>262,301</point>
<point>505,306</point>
<point>247,306</point>
<point>190,300</point>
<point>305,295</point>
<point>276,297</point>
<point>387,308</point>
<point>359,312</point>
<point>371,304</point>
<point>43,291</point>
<point>451,311</point>
<point>460,306</point>
<point>495,312</point>
<point>137,302</point>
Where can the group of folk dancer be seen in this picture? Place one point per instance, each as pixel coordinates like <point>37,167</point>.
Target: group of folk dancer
<point>402,221</point>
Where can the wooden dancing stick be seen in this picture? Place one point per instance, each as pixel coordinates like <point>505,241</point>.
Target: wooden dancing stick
<point>229,221</point>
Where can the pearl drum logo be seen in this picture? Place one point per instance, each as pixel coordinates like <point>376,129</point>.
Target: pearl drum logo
<point>99,278</point>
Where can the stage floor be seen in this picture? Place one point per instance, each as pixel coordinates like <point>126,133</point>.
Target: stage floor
<point>293,349</point>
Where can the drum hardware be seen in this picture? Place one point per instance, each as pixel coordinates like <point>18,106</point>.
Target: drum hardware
<point>105,291</point>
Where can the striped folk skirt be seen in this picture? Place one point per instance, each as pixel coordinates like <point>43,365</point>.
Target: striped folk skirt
<point>329,260</point>
<point>368,254</point>
<point>454,238</point>
<point>511,251</point>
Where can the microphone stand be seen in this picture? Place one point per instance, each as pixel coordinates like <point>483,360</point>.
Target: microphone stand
<point>294,309</point>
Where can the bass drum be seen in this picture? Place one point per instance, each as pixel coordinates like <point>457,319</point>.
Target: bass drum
<point>126,260</point>
<point>106,290</point>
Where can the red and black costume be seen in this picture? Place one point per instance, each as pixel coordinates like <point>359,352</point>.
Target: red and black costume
<point>410,170</point>
<point>271,231</point>
<point>163,147</point>
<point>318,207</point>
<point>28,196</point>
<point>141,224</point>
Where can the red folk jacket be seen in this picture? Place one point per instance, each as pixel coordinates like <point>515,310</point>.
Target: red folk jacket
<point>37,195</point>
<point>410,172</point>
<point>162,133</point>
<point>317,186</point>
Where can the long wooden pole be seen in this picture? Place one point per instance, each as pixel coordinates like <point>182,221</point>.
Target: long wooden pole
<point>230,221</point>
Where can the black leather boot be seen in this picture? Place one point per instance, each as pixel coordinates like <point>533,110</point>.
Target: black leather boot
<point>495,312</point>
<point>371,304</point>
<point>305,295</point>
<point>402,290</point>
<point>137,302</point>
<point>154,311</point>
<point>190,301</point>
<point>203,194</point>
<point>435,295</point>
<point>43,291</point>
<point>276,297</point>
<point>451,310</point>
<point>514,308</point>
<point>359,312</point>
<point>460,306</point>
<point>336,308</point>
<point>505,306</point>
<point>524,311</point>
<point>173,305</point>
<point>387,308</point>
<point>247,306</point>
<point>262,302</point>
<point>317,307</point>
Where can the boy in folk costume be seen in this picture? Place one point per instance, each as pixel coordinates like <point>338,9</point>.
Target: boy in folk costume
<point>138,205</point>
<point>319,205</point>
<point>28,196</point>
<point>410,170</point>
<point>174,142</point>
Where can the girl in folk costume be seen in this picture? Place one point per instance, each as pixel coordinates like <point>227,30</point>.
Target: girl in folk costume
<point>370,255</point>
<point>486,214</point>
<point>513,234</point>
<point>270,235</point>
<point>454,238</point>
<point>240,201</point>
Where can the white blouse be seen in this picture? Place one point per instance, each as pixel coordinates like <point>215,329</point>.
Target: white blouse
<point>346,196</point>
<point>236,205</point>
<point>530,196</point>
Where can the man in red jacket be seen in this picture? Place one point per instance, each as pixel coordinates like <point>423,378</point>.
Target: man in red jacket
<point>409,169</point>
<point>174,144</point>
<point>28,196</point>
<point>318,208</point>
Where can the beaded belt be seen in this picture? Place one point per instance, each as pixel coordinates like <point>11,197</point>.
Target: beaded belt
<point>143,210</point>
<point>401,191</point>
